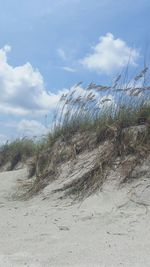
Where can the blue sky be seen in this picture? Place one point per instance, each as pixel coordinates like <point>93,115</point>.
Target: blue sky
<point>48,46</point>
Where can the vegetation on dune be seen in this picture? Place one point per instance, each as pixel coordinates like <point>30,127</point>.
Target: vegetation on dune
<point>87,117</point>
<point>84,119</point>
<point>97,107</point>
<point>17,151</point>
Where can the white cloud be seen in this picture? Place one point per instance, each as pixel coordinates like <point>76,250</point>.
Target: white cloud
<point>69,69</point>
<point>22,88</point>
<point>61,53</point>
<point>110,55</point>
<point>31,128</point>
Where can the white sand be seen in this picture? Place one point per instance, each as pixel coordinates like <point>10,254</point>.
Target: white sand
<point>107,229</point>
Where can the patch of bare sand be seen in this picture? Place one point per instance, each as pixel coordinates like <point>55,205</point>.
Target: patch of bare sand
<point>108,229</point>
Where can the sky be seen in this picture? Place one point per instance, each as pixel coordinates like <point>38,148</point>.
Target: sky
<point>47,46</point>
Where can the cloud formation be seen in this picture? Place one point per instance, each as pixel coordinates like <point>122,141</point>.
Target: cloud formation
<point>22,88</point>
<point>110,55</point>
<point>61,53</point>
<point>31,128</point>
<point>68,69</point>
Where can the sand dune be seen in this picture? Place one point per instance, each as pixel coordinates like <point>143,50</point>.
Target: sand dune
<point>110,228</point>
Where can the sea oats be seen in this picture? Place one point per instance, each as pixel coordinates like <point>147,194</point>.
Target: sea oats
<point>141,74</point>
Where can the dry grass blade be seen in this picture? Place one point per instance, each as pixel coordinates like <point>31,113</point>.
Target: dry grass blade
<point>102,88</point>
<point>105,100</point>
<point>141,74</point>
<point>116,81</point>
<point>63,97</point>
<point>78,84</point>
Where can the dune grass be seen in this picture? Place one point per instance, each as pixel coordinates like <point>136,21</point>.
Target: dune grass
<point>17,151</point>
<point>102,110</point>
<point>98,107</point>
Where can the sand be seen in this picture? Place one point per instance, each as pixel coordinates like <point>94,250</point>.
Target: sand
<point>110,228</point>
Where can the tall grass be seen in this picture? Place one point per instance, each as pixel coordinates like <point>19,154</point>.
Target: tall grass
<point>16,151</point>
<point>101,109</point>
<point>97,107</point>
